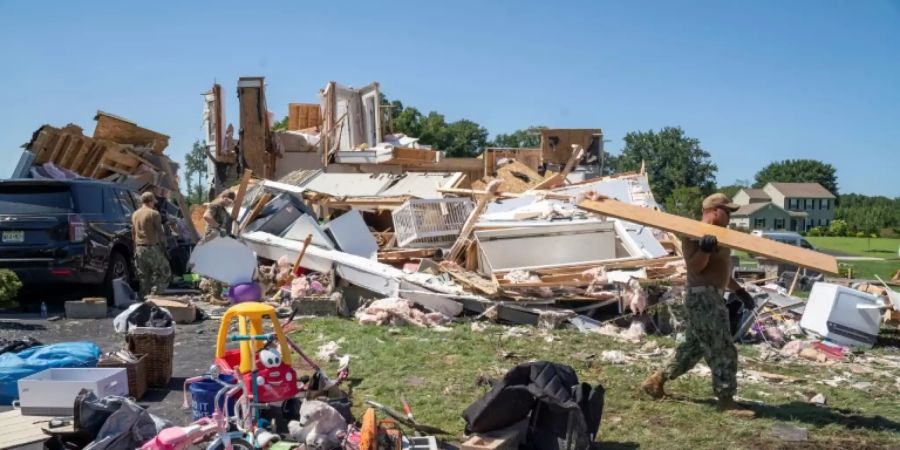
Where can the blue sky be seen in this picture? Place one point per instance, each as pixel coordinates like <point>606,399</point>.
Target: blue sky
<point>754,81</point>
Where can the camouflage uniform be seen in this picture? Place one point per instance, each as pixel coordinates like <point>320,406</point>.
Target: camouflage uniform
<point>221,216</point>
<point>152,268</point>
<point>707,336</point>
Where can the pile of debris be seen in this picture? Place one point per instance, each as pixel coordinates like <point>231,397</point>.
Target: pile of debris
<point>513,235</point>
<point>119,151</point>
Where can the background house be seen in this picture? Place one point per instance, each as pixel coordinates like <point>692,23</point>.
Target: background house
<point>784,206</point>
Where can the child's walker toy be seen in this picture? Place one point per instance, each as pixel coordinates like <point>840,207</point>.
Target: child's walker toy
<point>265,370</point>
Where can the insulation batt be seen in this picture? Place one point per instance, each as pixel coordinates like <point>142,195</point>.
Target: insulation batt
<point>396,311</point>
<point>635,297</point>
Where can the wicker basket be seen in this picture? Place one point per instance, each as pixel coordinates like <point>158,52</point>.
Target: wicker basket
<point>137,374</point>
<point>159,347</point>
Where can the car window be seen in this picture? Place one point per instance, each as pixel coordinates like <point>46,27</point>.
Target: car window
<point>88,199</point>
<point>805,244</point>
<point>112,206</point>
<point>35,199</point>
<point>126,201</point>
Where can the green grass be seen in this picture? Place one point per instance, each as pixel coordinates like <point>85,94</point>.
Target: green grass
<point>438,372</point>
<point>877,247</point>
<point>868,269</point>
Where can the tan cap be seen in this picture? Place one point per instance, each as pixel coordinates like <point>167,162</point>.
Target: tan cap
<point>719,200</point>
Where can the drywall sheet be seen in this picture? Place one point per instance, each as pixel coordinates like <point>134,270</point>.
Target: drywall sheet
<point>560,245</point>
<point>224,259</point>
<point>303,227</point>
<point>372,275</point>
<point>353,236</point>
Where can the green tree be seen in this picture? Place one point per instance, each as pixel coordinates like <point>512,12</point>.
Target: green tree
<point>527,138</point>
<point>798,171</point>
<point>460,138</point>
<point>731,190</point>
<point>685,202</point>
<point>9,287</point>
<point>195,165</point>
<point>838,227</point>
<point>672,160</point>
<point>281,125</point>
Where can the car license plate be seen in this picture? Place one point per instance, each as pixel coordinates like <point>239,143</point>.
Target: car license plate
<point>13,237</point>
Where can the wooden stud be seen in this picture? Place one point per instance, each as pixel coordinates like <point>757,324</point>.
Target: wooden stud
<point>260,204</point>
<point>239,197</point>
<point>469,225</point>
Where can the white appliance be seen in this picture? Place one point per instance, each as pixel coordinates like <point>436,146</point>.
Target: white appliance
<point>52,392</point>
<point>842,315</point>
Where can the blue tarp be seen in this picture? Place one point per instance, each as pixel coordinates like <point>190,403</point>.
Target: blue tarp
<point>14,366</point>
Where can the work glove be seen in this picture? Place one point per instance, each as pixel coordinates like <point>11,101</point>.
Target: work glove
<point>746,299</point>
<point>708,243</point>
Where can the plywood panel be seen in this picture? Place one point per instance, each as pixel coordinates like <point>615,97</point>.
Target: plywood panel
<point>531,157</point>
<point>727,237</point>
<point>124,131</point>
<point>556,144</point>
<point>303,115</point>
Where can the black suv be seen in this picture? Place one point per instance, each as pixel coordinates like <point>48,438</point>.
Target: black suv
<point>71,231</point>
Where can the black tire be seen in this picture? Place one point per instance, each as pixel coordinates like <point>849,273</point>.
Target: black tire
<point>236,444</point>
<point>118,267</point>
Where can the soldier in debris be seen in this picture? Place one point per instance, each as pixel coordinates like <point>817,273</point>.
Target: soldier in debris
<point>218,223</point>
<point>149,239</point>
<point>707,335</point>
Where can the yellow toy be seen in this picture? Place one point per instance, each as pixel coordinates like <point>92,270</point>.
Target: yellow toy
<point>261,366</point>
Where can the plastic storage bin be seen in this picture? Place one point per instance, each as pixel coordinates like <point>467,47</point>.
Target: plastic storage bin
<point>52,392</point>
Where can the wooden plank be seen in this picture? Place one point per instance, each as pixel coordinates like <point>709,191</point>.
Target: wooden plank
<point>463,239</point>
<point>19,430</point>
<point>415,155</point>
<point>474,192</point>
<point>81,156</point>
<point>76,145</point>
<point>124,131</point>
<point>257,208</point>
<point>727,237</point>
<point>59,148</point>
<point>218,116</point>
<point>239,197</point>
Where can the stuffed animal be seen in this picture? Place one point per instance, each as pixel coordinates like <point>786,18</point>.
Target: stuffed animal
<point>320,426</point>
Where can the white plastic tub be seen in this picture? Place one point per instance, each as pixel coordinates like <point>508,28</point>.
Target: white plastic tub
<point>842,315</point>
<point>52,392</point>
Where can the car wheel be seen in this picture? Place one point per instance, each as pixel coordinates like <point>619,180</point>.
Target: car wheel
<point>118,268</point>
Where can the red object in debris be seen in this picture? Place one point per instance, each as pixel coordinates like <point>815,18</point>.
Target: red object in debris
<point>831,351</point>
<point>61,272</point>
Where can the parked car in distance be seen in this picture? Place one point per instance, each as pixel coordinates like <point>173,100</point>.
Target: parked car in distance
<point>67,231</point>
<point>785,237</point>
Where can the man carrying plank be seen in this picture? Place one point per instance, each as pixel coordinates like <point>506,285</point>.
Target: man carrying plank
<point>707,335</point>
